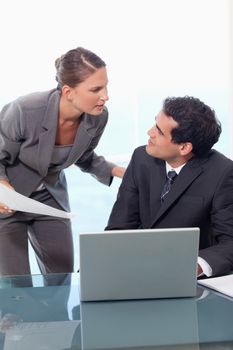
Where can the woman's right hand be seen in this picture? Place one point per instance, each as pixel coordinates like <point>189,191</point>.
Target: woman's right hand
<point>4,209</point>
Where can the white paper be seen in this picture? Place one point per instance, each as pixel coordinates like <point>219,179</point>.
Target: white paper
<point>17,201</point>
<point>41,335</point>
<point>223,284</point>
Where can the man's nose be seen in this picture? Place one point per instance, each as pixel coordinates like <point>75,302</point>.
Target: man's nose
<point>151,132</point>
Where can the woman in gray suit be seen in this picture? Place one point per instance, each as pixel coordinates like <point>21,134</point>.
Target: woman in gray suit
<point>40,135</point>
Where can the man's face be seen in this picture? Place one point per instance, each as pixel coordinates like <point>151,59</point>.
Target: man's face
<point>160,144</point>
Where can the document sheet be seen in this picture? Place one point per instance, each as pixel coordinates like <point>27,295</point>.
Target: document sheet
<point>17,201</point>
<point>223,284</point>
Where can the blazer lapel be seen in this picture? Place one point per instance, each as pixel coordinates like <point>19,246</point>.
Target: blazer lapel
<point>157,180</point>
<point>187,175</point>
<point>48,134</point>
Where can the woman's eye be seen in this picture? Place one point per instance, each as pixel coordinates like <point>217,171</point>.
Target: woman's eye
<point>95,90</point>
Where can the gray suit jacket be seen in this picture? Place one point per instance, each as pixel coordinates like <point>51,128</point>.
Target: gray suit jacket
<point>201,196</point>
<point>27,137</point>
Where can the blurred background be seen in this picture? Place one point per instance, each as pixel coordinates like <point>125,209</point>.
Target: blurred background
<point>153,49</point>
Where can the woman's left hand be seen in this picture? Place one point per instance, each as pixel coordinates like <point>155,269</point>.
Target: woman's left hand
<point>118,171</point>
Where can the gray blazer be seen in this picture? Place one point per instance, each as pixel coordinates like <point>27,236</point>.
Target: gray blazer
<point>27,137</point>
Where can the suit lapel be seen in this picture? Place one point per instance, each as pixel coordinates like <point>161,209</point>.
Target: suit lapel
<point>48,134</point>
<point>157,180</point>
<point>187,175</point>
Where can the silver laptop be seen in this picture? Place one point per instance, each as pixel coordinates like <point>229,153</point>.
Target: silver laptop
<point>138,264</point>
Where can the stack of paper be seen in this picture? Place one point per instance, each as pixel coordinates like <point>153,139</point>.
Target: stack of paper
<point>223,284</point>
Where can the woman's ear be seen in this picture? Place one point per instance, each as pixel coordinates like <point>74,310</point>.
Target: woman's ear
<point>67,92</point>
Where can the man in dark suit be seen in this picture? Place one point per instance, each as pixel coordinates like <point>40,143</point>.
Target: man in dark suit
<point>199,195</point>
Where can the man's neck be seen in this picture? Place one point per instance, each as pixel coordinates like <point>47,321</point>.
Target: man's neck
<point>179,162</point>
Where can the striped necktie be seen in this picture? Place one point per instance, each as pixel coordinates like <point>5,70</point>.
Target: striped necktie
<point>171,175</point>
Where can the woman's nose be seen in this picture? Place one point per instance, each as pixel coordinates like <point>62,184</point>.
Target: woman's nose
<point>104,98</point>
<point>104,95</point>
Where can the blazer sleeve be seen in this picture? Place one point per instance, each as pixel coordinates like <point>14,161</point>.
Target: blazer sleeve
<point>10,136</point>
<point>125,212</point>
<point>96,165</point>
<point>220,254</point>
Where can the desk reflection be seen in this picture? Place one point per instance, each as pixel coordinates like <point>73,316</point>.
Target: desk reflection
<point>139,324</point>
<point>34,313</point>
<point>48,315</point>
<point>204,322</point>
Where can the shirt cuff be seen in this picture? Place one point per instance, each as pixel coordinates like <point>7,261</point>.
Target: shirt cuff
<point>207,270</point>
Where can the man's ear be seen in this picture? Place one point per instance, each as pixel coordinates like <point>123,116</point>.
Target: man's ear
<point>186,148</point>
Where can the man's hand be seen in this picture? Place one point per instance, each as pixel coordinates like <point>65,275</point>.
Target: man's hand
<point>118,171</point>
<point>199,270</point>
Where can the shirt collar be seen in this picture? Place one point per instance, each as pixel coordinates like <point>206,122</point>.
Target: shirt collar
<point>177,170</point>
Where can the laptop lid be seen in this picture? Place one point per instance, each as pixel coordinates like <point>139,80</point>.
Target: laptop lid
<point>138,264</point>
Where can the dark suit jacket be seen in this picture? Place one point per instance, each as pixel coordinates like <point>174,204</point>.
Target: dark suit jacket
<point>201,196</point>
<point>28,128</point>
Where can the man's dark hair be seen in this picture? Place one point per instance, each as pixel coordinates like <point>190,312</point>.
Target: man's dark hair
<point>197,123</point>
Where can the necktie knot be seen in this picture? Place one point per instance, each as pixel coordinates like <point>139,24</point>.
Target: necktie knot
<point>171,175</point>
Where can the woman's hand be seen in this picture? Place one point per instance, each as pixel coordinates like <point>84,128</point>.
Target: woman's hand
<point>9,321</point>
<point>4,209</point>
<point>118,171</point>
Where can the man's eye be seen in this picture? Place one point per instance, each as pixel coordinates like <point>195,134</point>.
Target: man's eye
<point>159,131</point>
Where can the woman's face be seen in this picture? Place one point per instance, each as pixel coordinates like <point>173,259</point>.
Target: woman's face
<point>90,95</point>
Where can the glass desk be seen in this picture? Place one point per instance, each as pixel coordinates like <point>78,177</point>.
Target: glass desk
<point>44,313</point>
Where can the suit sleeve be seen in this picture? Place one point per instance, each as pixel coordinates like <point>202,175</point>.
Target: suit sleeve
<point>10,136</point>
<point>125,212</point>
<point>96,165</point>
<point>220,254</point>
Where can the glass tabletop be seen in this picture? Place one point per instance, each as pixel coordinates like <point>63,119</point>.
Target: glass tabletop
<point>44,312</point>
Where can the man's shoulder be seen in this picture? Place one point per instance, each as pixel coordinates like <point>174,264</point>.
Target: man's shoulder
<point>216,163</point>
<point>218,157</point>
<point>140,156</point>
<point>141,152</point>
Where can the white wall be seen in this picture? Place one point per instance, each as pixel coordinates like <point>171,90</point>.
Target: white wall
<point>230,4</point>
<point>153,48</point>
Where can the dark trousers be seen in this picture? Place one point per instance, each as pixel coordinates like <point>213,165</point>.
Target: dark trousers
<point>50,237</point>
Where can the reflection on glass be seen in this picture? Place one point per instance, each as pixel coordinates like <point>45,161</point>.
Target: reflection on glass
<point>133,324</point>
